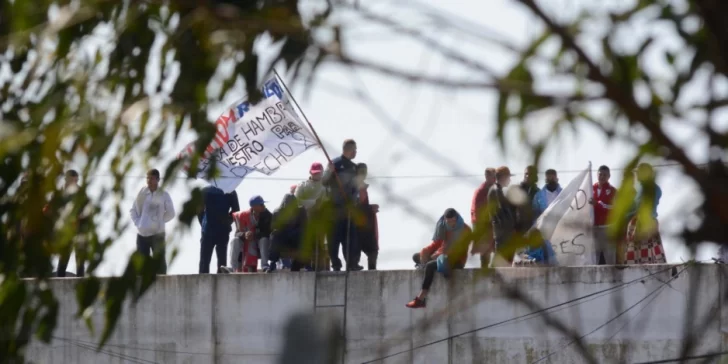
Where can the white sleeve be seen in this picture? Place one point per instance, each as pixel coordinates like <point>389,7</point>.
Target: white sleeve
<point>135,214</point>
<point>168,208</point>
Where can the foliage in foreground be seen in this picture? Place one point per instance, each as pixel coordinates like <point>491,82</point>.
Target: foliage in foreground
<point>82,77</point>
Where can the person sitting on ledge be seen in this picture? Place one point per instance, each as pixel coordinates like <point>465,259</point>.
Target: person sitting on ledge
<point>447,251</point>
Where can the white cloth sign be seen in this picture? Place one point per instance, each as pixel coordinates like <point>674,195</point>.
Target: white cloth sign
<point>253,138</point>
<point>567,223</point>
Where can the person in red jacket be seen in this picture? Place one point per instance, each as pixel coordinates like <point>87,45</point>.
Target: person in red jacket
<point>252,237</point>
<point>479,218</point>
<point>244,255</point>
<point>447,251</point>
<point>603,195</point>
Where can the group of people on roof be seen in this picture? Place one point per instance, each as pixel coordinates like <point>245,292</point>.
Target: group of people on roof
<point>503,230</point>
<point>318,216</point>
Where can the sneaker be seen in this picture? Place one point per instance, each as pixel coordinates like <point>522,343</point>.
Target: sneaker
<point>416,303</point>
<point>224,270</point>
<point>269,270</point>
<point>355,268</point>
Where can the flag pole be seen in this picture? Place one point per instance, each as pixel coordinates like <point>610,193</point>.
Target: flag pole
<point>315,134</point>
<point>341,189</point>
<point>313,130</point>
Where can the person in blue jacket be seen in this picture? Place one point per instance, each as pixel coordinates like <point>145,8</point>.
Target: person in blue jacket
<point>216,224</point>
<point>541,201</point>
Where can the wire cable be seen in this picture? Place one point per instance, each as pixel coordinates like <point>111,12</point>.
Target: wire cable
<point>427,176</point>
<point>610,320</point>
<point>110,353</point>
<point>537,312</point>
<point>704,356</point>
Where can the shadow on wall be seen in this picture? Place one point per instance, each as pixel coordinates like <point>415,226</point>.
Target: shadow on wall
<point>311,338</point>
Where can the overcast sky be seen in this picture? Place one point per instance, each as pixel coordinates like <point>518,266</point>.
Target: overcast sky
<point>414,137</point>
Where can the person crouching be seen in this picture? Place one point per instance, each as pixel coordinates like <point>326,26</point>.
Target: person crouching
<point>447,251</point>
<point>288,223</point>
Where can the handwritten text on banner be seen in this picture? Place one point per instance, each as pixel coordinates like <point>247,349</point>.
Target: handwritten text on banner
<point>254,138</point>
<point>567,223</point>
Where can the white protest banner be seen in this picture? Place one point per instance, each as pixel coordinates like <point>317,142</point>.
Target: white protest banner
<point>567,223</point>
<point>253,138</point>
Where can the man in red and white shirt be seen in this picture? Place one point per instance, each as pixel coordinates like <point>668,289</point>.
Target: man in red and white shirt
<point>603,196</point>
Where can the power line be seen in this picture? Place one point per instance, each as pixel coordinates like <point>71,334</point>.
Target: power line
<point>110,353</point>
<point>163,351</point>
<point>430,176</point>
<point>681,359</point>
<point>612,319</point>
<point>537,312</point>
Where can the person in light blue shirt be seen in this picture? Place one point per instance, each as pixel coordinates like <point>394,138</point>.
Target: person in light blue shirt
<point>541,201</point>
<point>643,241</point>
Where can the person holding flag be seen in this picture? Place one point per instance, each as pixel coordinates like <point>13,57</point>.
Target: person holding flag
<point>340,179</point>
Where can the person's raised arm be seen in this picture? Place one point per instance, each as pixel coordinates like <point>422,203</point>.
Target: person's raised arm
<point>328,177</point>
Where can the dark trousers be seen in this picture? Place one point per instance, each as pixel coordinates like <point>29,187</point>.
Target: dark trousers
<point>146,245</point>
<point>371,258</point>
<point>286,245</point>
<point>366,238</point>
<point>63,265</point>
<point>338,235</point>
<point>208,243</point>
<point>431,269</point>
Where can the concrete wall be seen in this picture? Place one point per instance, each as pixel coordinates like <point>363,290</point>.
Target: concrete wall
<point>240,318</point>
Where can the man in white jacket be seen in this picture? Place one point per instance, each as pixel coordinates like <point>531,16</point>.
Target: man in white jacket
<point>152,209</point>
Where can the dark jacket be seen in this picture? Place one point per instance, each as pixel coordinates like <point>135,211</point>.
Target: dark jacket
<point>263,227</point>
<point>216,218</point>
<point>78,201</point>
<point>502,213</point>
<point>526,216</point>
<point>346,171</point>
<point>289,220</point>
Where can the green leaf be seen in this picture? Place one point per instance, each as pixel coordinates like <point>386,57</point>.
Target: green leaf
<point>114,296</point>
<point>87,291</point>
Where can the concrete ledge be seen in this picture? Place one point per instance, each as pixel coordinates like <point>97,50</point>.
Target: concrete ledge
<point>240,318</point>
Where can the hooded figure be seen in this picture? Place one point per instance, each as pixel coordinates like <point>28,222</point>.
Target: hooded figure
<point>447,251</point>
<point>289,220</point>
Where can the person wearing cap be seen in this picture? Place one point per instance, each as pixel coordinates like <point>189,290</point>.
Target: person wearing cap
<point>447,251</point>
<point>502,213</point>
<point>340,179</point>
<point>311,194</point>
<point>312,190</point>
<point>260,235</point>
<point>151,210</point>
<point>216,224</point>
